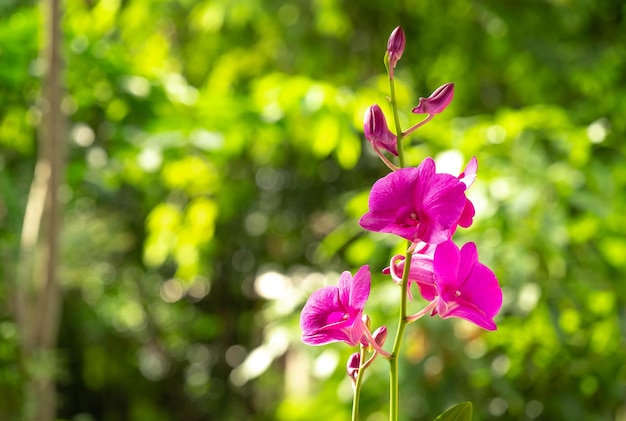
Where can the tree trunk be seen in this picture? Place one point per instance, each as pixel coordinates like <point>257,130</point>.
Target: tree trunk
<point>38,295</point>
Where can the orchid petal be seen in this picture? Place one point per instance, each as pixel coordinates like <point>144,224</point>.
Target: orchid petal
<point>446,265</point>
<point>467,216</point>
<point>360,288</point>
<point>468,175</point>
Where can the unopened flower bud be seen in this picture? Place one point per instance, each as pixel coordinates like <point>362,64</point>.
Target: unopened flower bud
<point>377,132</point>
<point>395,48</point>
<point>354,363</point>
<point>380,335</point>
<point>437,101</point>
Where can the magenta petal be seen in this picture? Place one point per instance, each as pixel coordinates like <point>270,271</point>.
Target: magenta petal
<point>442,206</point>
<point>319,308</point>
<point>360,289</point>
<point>467,216</point>
<point>440,196</point>
<point>473,314</point>
<point>345,285</point>
<point>468,258</point>
<point>377,222</point>
<point>468,175</point>
<point>389,194</point>
<point>478,300</point>
<point>427,291</point>
<point>481,288</point>
<point>426,169</point>
<point>446,265</point>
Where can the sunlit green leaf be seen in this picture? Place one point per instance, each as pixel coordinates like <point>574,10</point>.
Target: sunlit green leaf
<point>459,412</point>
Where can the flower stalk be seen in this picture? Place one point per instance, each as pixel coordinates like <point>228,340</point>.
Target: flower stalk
<point>358,382</point>
<point>396,119</point>
<point>394,375</point>
<point>394,378</point>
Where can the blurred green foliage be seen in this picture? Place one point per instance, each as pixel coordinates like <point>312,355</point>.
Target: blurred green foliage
<point>216,170</point>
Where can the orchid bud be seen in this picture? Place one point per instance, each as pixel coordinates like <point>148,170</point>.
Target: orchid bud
<point>377,132</point>
<point>380,335</point>
<point>437,101</point>
<point>354,363</point>
<point>395,48</point>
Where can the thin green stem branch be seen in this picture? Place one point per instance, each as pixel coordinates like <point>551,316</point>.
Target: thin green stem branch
<point>396,119</point>
<point>418,125</point>
<point>394,377</point>
<point>357,386</point>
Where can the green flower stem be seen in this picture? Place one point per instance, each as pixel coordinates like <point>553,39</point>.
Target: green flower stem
<point>357,386</point>
<point>394,398</point>
<point>396,119</point>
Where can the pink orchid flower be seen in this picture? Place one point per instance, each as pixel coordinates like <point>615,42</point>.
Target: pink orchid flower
<point>463,287</point>
<point>416,203</point>
<point>334,313</point>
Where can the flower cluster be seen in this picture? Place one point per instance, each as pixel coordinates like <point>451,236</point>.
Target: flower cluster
<point>424,207</point>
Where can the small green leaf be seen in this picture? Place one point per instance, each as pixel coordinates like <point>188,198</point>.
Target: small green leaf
<point>459,412</point>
